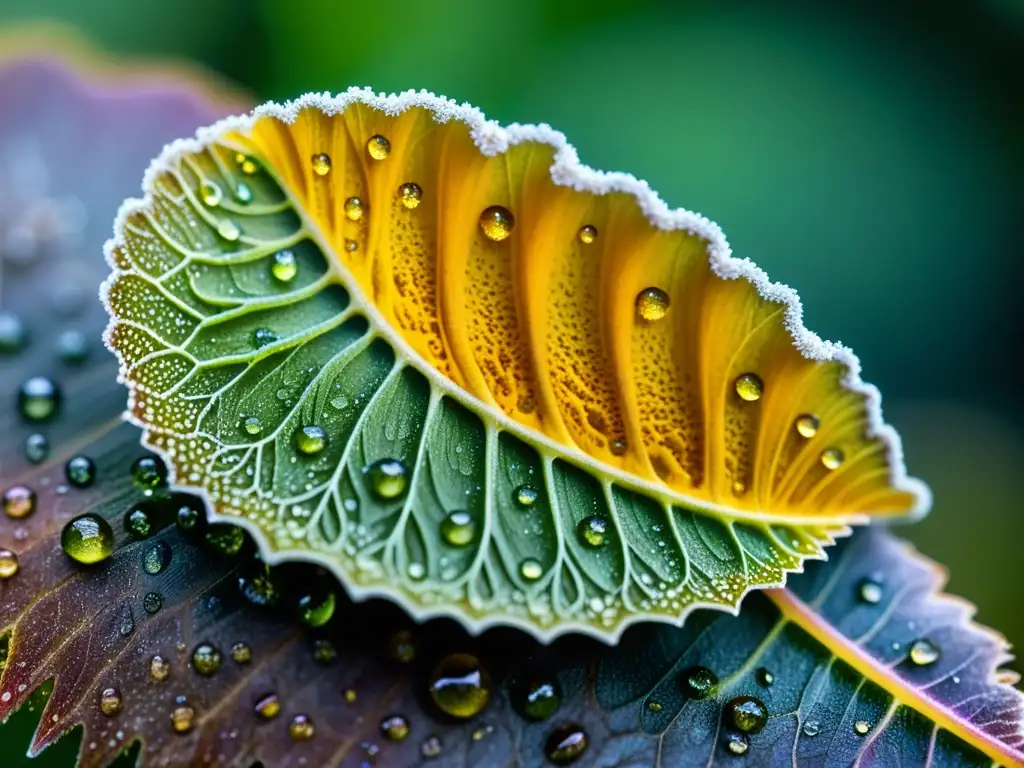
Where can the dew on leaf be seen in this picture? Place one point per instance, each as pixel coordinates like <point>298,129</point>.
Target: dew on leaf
<point>253,425</point>
<point>321,163</point>
<point>924,652</point>
<point>402,647</point>
<point>460,686</point>
<point>587,234</point>
<point>87,539</point>
<point>350,695</point>
<point>652,304</point>
<point>210,193</point>
<point>13,335</point>
<point>152,602</point>
<point>862,727</point>
<point>431,747</point>
<point>593,531</point>
<point>226,539</point>
<point>535,695</point>
<point>80,471</point>
<point>736,744</point>
<point>458,528</point>
<point>394,728</point>
<point>301,728</point>
<point>497,223</point>
<point>698,682</point>
<point>137,523</point>
<point>378,147</point>
<point>531,569</point>
<point>187,517</point>
<point>246,164</point>
<point>387,478</point>
<point>749,387</point>
<point>149,473</point>
<point>159,668</point>
<point>227,229</point>
<point>812,728</point>
<point>764,677</point>
<point>243,193</point>
<point>832,458</point>
<point>206,659</point>
<point>182,718</point>
<point>807,425</point>
<point>526,496</point>
<point>258,585</point>
<point>870,591</point>
<point>19,501</point>
<point>310,440</point>
<point>268,707</point>
<point>566,744</point>
<point>110,702</point>
<point>410,194</point>
<point>354,209</point>
<point>262,337</point>
<point>285,266</point>
<point>37,448</point>
<point>316,608</point>
<point>618,447</point>
<point>38,399</point>
<point>156,558</point>
<point>8,563</point>
<point>747,714</point>
<point>241,653</point>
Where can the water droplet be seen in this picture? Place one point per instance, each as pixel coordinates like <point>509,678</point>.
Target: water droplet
<point>152,602</point>
<point>268,707</point>
<point>13,335</point>
<point>526,496</point>
<point>72,347</point>
<point>747,714</point>
<point>301,728</point>
<point>459,528</point>
<point>618,447</point>
<point>351,245</point>
<point>354,209</point>
<point>38,399</point>
<point>862,727</point>
<point>460,686</point>
<point>321,164</point>
<point>378,147</point>
<point>149,473</point>
<point>127,625</point>
<point>431,747</point>
<point>156,558</point>
<point>566,744</point>
<point>812,728</point>
<point>315,610</point>
<point>698,682</point>
<point>243,193</point>
<point>387,478</point>
<point>832,458</point>
<point>870,591</point>
<point>402,646</point>
<point>350,696</point>
<point>19,501</point>
<point>284,267</point>
<point>593,531</point>
<point>188,518</point>
<point>182,718</point>
<point>394,728</point>
<point>258,585</point>
<point>247,164</point>
<point>8,564</point>
<point>210,193</point>
<point>253,426</point>
<point>37,448</point>
<point>410,194</point>
<point>206,659</point>
<point>531,569</point>
<point>497,223</point>
<point>227,229</point>
<point>749,387</point>
<point>87,539</point>
<point>535,695</point>
<point>137,523</point>
<point>226,539</point>
<point>262,337</point>
<point>241,653</point>
<point>737,743</point>
<point>159,668</point>
<point>807,425</point>
<point>324,652</point>
<point>416,571</point>
<point>764,676</point>
<point>652,304</point>
<point>310,440</point>
<point>587,234</point>
<point>924,652</point>
<point>482,732</point>
<point>80,471</point>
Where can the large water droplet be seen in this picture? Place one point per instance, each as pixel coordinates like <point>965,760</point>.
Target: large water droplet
<point>137,523</point>
<point>80,471</point>
<point>587,234</point>
<point>747,714</point>
<point>310,440</point>
<point>149,473</point>
<point>566,744</point>
<point>593,531</point>
<point>252,425</point>
<point>301,728</point>
<point>387,478</point>
<point>378,147</point>
<point>38,399</point>
<point>156,558</point>
<point>698,682</point>
<point>497,222</point>
<point>394,728</point>
<point>535,695</point>
<point>652,304</point>
<point>19,501</point>
<point>924,652</point>
<point>459,528</point>
<point>159,668</point>
<point>321,163</point>
<point>268,707</point>
<point>460,686</point>
<point>284,267</point>
<point>37,448</point>
<point>8,563</point>
<point>206,659</point>
<point>749,387</point>
<point>832,458</point>
<point>410,194</point>
<point>807,425</point>
<point>531,569</point>
<point>354,209</point>
<point>88,539</point>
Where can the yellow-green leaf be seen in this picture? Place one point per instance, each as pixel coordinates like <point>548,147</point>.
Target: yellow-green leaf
<point>458,369</point>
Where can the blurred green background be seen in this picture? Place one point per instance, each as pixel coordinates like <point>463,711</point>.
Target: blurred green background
<point>871,157</point>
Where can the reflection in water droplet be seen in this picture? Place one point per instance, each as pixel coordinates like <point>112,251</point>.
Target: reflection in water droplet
<point>497,222</point>
<point>152,602</point>
<point>206,659</point>
<point>241,653</point>
<point>924,652</point>
<point>159,668</point>
<point>460,686</point>
<point>387,478</point>
<point>587,234</point>
<point>210,194</point>
<point>458,528</point>
<point>698,682</point>
<point>870,591</point>
<point>315,610</point>
<point>747,714</point>
<point>227,229</point>
<point>378,147</point>
<point>402,646</point>
<point>394,728</point>
<point>87,539</point>
<point>535,695</point>
<point>526,496</point>
<point>37,448</point>
<point>321,163</point>
<point>301,728</point>
<point>410,194</point>
<point>862,727</point>
<point>253,425</point>
<point>110,702</point>
<point>8,563</point>
<point>80,471</point>
<point>566,744</point>
<point>431,747</point>
<point>764,676</point>
<point>284,267</point>
<point>736,743</point>
<point>749,387</point>
<point>182,718</point>
<point>19,501</point>
<point>156,558</point>
<point>807,425</point>
<point>268,707</point>
<point>310,440</point>
<point>812,728</point>
<point>593,531</point>
<point>652,304</point>
<point>832,458</point>
<point>354,209</point>
<point>38,399</point>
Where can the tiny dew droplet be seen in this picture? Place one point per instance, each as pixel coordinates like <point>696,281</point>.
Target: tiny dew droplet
<point>531,569</point>
<point>37,448</point>
<point>247,164</point>
<point>159,668</point>
<point>310,440</point>
<point>301,728</point>
<point>378,147</point>
<point>227,229</point>
<point>526,496</point>
<point>315,610</point>
<point>206,659</point>
<point>566,744</point>
<point>38,399</point>
<point>764,676</point>
<point>460,686</point>
<point>747,714</point>
<point>80,471</point>
<point>387,478</point>
<point>8,564</point>
<point>593,531</point>
<point>19,501</point>
<point>284,267</point>
<point>210,193</point>
<point>812,728</point>
<point>652,304</point>
<point>262,337</point>
<point>410,194</point>
<point>535,695</point>
<point>152,602</point>
<point>268,707</point>
<point>241,653</point>
<point>749,387</point>
<point>737,743</point>
<point>832,458</point>
<point>243,193</point>
<point>870,591</point>
<point>862,727</point>
<point>253,425</point>
<point>394,728</point>
<point>351,245</point>
<point>431,747</point>
<point>924,652</point>
<point>654,706</point>
<point>87,539</point>
<point>497,223</point>
<point>807,425</point>
<point>182,718</point>
<point>321,163</point>
<point>618,447</point>
<point>156,558</point>
<point>698,682</point>
<point>354,209</point>
<point>587,234</point>
<point>458,528</point>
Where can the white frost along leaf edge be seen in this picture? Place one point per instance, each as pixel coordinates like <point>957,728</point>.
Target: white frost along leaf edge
<point>566,170</point>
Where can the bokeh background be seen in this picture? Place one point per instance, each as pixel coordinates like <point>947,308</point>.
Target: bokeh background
<point>871,157</point>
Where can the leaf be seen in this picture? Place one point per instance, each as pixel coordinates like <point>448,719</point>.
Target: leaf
<point>296,319</point>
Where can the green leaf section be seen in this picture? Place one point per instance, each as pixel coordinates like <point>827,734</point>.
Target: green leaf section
<point>261,376</point>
